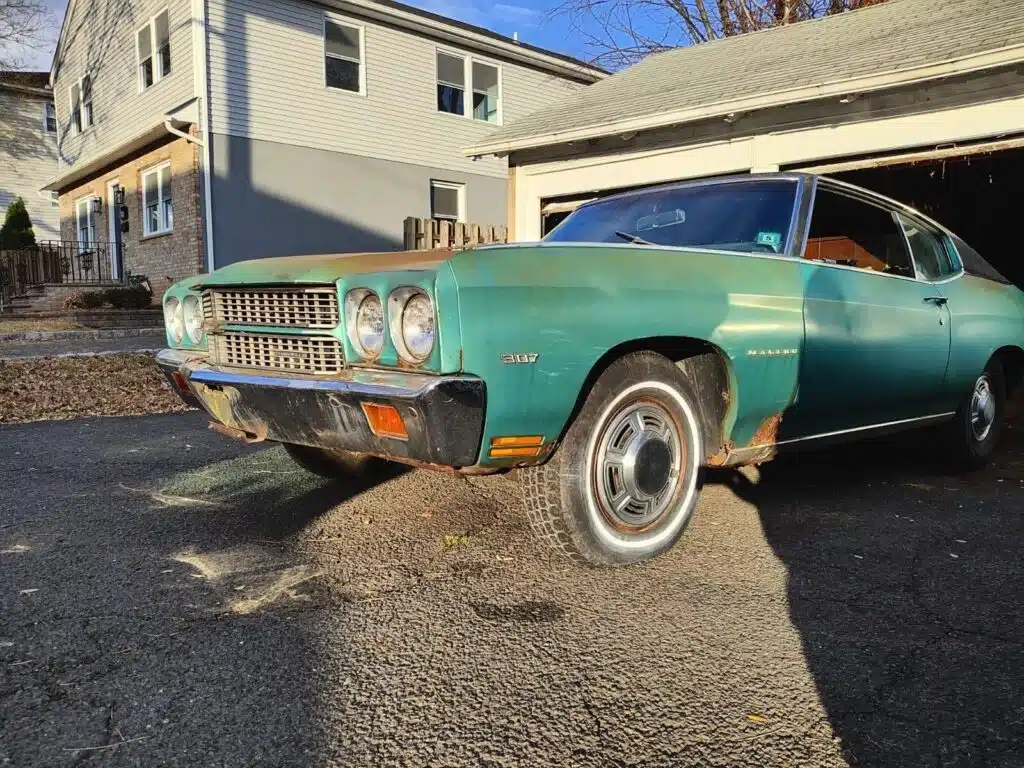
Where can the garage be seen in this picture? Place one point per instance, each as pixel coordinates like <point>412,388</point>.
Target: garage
<point>901,98</point>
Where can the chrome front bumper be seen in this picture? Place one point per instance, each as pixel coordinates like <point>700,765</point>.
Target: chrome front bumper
<point>443,415</point>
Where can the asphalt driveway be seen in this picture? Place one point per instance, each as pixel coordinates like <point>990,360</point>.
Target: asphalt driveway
<point>169,597</point>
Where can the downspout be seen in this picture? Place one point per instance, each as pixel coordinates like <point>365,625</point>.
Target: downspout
<point>186,136</point>
<point>201,87</point>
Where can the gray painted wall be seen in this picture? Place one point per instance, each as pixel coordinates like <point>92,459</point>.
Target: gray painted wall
<point>272,199</point>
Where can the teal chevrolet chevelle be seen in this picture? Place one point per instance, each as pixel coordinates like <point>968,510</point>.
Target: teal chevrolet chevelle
<point>650,335</point>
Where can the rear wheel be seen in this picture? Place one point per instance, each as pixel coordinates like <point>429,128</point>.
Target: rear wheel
<point>971,438</point>
<point>624,482</point>
<point>335,465</point>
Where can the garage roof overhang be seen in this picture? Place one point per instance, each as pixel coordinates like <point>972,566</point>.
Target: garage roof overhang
<point>724,109</point>
<point>170,124</point>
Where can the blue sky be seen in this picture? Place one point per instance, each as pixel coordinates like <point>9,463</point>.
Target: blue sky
<point>525,17</point>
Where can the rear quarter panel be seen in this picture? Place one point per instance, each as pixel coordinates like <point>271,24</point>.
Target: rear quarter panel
<point>985,316</point>
<point>570,305</point>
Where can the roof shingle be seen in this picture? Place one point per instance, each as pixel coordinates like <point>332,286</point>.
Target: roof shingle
<point>896,35</point>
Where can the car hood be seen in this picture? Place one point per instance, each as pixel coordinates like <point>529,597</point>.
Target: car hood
<point>320,268</point>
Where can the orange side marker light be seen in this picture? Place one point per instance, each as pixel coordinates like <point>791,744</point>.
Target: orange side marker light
<point>515,445</point>
<point>385,421</point>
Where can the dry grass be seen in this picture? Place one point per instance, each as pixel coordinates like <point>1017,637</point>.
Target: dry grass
<point>69,388</point>
<point>43,324</point>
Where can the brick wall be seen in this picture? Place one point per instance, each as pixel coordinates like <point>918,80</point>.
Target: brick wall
<point>165,258</point>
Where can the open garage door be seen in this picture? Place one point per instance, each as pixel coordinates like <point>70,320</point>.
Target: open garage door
<point>977,191</point>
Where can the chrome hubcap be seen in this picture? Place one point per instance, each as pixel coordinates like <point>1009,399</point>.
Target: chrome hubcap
<point>983,409</point>
<point>637,465</point>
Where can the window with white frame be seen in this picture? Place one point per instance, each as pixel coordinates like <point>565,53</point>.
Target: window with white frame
<point>153,48</point>
<point>55,199</point>
<point>81,104</point>
<point>457,75</point>
<point>85,221</point>
<point>343,55</point>
<point>157,211</point>
<point>447,201</point>
<point>49,117</point>
<point>75,99</point>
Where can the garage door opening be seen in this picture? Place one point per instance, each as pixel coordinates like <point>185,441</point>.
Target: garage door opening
<point>979,197</point>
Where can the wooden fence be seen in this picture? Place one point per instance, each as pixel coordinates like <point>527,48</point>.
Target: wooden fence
<point>428,234</point>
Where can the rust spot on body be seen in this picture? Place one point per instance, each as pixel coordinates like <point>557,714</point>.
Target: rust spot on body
<point>768,432</point>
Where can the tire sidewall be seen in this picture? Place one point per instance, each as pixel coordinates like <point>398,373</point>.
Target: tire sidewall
<point>980,451</point>
<point>638,376</point>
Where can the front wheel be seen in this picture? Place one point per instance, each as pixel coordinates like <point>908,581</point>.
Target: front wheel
<point>624,482</point>
<point>973,434</point>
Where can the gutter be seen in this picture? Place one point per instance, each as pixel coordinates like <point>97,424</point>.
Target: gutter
<point>832,89</point>
<point>462,34</point>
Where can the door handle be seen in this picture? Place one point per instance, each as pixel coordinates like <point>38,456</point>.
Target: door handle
<point>938,301</point>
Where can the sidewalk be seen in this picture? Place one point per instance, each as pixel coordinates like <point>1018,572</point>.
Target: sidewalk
<point>83,347</point>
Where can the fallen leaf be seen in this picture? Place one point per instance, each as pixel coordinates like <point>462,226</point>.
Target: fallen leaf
<point>757,719</point>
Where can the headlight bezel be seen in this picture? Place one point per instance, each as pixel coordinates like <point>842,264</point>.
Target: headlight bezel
<point>198,314</point>
<point>398,301</point>
<point>174,319</point>
<point>355,300</point>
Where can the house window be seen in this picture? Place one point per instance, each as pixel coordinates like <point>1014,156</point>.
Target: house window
<point>153,45</point>
<point>451,83</point>
<point>85,221</point>
<point>55,199</point>
<point>447,201</point>
<point>76,109</point>
<point>86,85</point>
<point>157,211</point>
<point>458,74</point>
<point>50,118</point>
<point>343,56</point>
<point>485,92</point>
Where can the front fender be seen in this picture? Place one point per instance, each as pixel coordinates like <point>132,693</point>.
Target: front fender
<point>536,319</point>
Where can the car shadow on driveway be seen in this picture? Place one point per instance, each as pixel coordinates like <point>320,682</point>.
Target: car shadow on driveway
<point>906,586</point>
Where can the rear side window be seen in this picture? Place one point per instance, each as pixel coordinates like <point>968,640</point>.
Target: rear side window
<point>929,253</point>
<point>852,233</point>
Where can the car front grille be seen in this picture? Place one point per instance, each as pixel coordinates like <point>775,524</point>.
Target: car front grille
<point>299,307</point>
<point>315,355</point>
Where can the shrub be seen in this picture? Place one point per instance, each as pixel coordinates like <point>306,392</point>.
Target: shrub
<point>133,297</point>
<point>85,300</point>
<point>16,231</point>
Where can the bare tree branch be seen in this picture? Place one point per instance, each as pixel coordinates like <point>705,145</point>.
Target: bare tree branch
<point>618,33</point>
<point>22,24</point>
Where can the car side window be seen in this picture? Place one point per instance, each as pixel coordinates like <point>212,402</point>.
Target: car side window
<point>852,233</point>
<point>930,255</point>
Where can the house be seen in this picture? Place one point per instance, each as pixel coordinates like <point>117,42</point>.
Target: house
<point>199,134</point>
<point>919,100</point>
<point>28,148</point>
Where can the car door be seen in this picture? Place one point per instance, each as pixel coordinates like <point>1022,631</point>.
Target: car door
<point>876,336</point>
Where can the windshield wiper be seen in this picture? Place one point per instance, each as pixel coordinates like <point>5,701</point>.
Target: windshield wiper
<point>633,238</point>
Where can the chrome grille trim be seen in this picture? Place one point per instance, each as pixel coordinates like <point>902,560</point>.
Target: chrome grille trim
<point>298,307</point>
<point>313,355</point>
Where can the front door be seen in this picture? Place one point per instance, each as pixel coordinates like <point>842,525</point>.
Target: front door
<point>876,336</point>
<point>114,228</point>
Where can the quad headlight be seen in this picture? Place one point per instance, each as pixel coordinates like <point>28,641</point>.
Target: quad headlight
<point>192,315</point>
<point>364,315</point>
<point>174,319</point>
<point>413,327</point>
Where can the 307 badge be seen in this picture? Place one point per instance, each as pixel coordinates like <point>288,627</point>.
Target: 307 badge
<point>519,358</point>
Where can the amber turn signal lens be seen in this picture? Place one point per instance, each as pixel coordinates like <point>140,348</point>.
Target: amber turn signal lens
<point>515,445</point>
<point>385,421</point>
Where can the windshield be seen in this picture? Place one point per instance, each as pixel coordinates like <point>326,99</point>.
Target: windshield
<point>735,216</point>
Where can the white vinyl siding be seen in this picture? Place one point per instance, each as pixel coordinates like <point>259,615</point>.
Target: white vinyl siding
<point>105,45</point>
<point>157,211</point>
<point>267,83</point>
<point>30,161</point>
